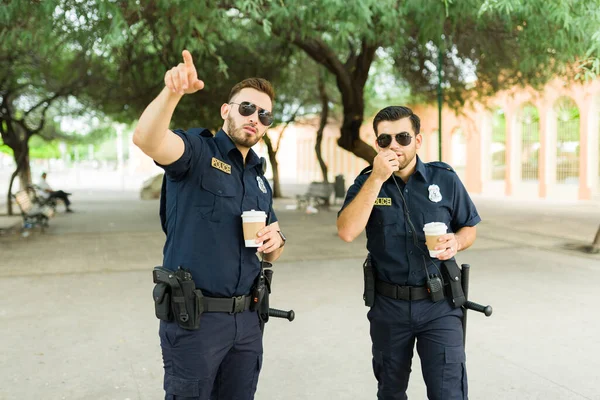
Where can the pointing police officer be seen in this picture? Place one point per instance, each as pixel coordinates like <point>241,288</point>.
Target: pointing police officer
<point>210,181</point>
<point>393,200</point>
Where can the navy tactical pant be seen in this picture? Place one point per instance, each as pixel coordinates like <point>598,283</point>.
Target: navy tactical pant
<point>219,361</point>
<point>437,329</point>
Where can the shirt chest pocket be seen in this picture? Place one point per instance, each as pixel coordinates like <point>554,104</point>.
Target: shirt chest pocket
<point>215,195</point>
<point>383,230</point>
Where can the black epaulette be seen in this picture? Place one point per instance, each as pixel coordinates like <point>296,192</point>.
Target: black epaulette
<point>262,166</point>
<point>442,165</point>
<point>367,170</point>
<point>201,132</point>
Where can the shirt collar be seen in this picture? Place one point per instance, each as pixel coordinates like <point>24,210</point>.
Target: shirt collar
<point>226,145</point>
<point>420,168</point>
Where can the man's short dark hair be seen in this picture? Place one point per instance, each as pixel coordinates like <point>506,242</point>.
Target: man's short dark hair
<point>260,84</point>
<point>395,113</point>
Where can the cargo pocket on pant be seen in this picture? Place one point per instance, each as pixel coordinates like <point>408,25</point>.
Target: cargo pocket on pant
<point>259,360</point>
<point>454,379</point>
<point>181,387</point>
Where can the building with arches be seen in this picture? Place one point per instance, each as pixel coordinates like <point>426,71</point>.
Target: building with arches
<point>522,143</point>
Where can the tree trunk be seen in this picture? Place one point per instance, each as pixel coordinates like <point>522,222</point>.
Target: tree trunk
<point>273,160</point>
<point>23,171</point>
<point>596,243</point>
<point>322,124</point>
<point>351,78</point>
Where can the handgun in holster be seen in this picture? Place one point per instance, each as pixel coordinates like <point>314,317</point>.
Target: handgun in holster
<point>454,290</point>
<point>176,297</point>
<point>261,291</point>
<point>369,278</point>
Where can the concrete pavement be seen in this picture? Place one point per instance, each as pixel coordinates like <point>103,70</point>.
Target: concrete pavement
<point>77,321</point>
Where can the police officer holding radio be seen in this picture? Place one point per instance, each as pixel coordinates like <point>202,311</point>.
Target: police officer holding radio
<point>393,200</point>
<point>210,333</point>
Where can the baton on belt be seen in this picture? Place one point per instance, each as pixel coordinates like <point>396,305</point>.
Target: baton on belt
<point>469,305</point>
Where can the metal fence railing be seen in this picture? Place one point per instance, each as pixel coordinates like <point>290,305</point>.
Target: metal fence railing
<point>530,150</point>
<point>567,151</point>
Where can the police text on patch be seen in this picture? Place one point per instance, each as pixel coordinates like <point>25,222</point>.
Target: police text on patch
<point>220,165</point>
<point>383,201</point>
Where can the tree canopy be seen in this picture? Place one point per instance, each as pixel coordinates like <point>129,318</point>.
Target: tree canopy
<point>112,55</point>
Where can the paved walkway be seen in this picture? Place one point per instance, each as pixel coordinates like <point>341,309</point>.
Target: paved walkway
<point>77,321</point>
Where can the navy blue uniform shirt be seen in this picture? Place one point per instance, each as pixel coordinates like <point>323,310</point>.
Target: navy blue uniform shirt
<point>389,235</point>
<point>207,190</point>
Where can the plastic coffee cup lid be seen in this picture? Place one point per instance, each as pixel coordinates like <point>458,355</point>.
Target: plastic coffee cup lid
<point>254,214</point>
<point>435,227</point>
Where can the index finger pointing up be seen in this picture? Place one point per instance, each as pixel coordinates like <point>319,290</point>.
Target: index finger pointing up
<point>187,58</point>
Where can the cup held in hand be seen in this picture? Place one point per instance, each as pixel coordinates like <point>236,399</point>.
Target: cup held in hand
<point>252,222</point>
<point>433,231</point>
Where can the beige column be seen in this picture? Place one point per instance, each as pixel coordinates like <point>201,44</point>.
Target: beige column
<point>510,115</point>
<point>543,154</point>
<point>585,190</point>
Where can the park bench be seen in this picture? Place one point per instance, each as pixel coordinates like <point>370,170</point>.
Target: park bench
<point>339,188</point>
<point>37,197</point>
<point>317,195</point>
<point>32,215</point>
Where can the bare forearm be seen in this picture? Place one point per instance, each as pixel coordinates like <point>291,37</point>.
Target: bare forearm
<point>273,256</point>
<point>355,216</point>
<point>466,237</point>
<point>152,128</point>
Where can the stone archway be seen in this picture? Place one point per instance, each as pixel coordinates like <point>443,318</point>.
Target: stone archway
<point>568,146</point>
<point>497,150</point>
<point>529,142</point>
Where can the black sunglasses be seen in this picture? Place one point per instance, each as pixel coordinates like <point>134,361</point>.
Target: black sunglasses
<point>385,139</point>
<point>246,109</point>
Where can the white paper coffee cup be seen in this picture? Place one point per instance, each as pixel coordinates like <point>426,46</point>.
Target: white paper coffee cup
<point>433,231</point>
<point>252,222</point>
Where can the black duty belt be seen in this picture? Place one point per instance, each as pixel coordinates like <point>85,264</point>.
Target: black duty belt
<point>401,292</point>
<point>227,304</point>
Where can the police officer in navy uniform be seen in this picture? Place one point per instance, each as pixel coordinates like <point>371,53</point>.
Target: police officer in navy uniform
<point>393,200</point>
<point>210,181</point>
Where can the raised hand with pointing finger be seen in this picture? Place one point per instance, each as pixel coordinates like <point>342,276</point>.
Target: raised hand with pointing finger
<point>183,79</point>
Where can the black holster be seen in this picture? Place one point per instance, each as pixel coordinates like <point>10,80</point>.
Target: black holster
<point>176,297</point>
<point>261,292</point>
<point>369,278</point>
<point>454,290</point>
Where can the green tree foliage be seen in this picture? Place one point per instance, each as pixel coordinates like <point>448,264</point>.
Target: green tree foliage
<point>146,40</point>
<point>45,59</point>
<point>499,43</point>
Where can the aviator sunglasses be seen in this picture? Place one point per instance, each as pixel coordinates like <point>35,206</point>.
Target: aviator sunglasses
<point>246,109</point>
<point>385,139</point>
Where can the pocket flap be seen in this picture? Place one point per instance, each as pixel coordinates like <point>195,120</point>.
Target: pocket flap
<point>455,355</point>
<point>159,291</point>
<point>217,186</point>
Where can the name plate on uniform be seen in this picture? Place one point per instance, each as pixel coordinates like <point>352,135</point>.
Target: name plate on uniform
<point>383,201</point>
<point>220,165</point>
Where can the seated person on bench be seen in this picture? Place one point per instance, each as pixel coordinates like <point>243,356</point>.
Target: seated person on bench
<point>49,194</point>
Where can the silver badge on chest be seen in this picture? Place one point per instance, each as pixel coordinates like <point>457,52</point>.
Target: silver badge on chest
<point>434,193</point>
<point>261,184</point>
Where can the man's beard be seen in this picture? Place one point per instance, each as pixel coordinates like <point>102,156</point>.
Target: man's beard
<point>408,158</point>
<point>239,136</point>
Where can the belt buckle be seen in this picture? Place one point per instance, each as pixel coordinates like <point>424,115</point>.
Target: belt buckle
<point>238,304</point>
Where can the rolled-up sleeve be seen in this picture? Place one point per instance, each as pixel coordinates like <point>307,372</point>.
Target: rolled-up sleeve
<point>465,213</point>
<point>192,151</point>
